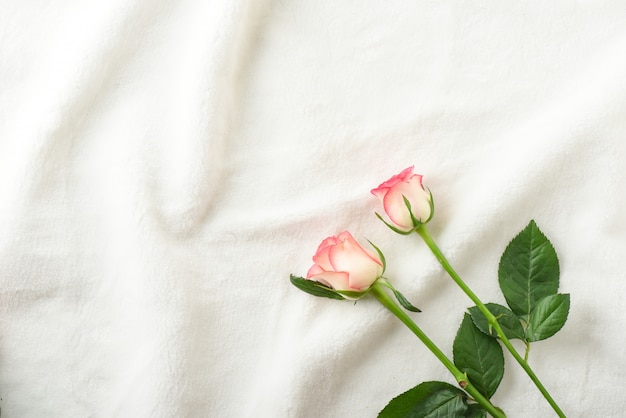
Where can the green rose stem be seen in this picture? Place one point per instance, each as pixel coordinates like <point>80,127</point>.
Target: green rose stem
<point>378,291</point>
<point>493,322</point>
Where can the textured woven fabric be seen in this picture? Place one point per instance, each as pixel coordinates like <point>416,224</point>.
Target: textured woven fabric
<point>164,167</point>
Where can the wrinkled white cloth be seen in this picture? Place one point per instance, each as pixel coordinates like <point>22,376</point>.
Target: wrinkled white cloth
<point>164,167</point>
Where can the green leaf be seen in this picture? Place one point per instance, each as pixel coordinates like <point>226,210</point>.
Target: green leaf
<point>475,411</point>
<point>509,322</point>
<point>427,400</point>
<point>548,317</point>
<point>479,356</point>
<point>404,302</point>
<point>314,288</point>
<point>529,270</point>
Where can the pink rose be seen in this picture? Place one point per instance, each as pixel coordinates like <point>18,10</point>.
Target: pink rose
<point>392,193</point>
<point>341,263</point>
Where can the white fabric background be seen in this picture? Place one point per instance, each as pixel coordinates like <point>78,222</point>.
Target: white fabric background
<point>165,165</point>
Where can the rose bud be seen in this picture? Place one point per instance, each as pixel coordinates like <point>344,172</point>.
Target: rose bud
<point>342,264</point>
<point>407,204</point>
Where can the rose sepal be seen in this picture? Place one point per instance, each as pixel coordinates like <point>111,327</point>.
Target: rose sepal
<point>380,255</point>
<point>416,222</point>
<point>315,288</point>
<point>432,207</point>
<point>351,294</point>
<point>399,296</point>
<point>319,289</point>
<point>393,228</point>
